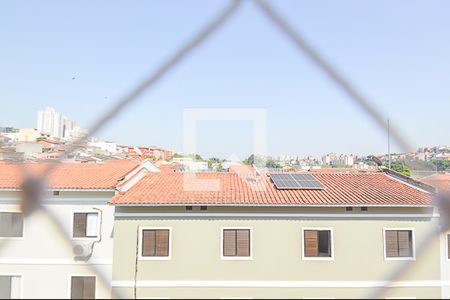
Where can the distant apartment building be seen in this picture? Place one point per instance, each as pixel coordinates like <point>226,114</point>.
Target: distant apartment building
<point>56,124</point>
<point>338,159</point>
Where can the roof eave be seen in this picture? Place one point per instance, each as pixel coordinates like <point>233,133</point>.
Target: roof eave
<point>270,205</point>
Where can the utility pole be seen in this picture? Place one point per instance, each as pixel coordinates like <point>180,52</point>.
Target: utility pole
<point>389,144</point>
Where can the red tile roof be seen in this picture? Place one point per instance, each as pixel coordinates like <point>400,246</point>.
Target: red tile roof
<point>440,181</point>
<point>70,175</point>
<point>347,189</point>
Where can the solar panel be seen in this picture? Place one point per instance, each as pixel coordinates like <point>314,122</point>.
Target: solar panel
<point>296,181</point>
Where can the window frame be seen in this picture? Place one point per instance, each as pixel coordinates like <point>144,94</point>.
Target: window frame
<point>99,216</point>
<point>69,290</point>
<point>20,275</point>
<point>140,246</point>
<point>23,225</point>
<point>319,258</point>
<point>250,257</point>
<point>413,241</point>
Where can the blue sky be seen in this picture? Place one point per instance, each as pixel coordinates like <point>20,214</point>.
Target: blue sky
<point>396,52</point>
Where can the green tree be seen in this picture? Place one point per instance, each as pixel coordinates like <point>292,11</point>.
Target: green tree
<point>441,164</point>
<point>197,157</point>
<point>401,168</point>
<point>272,164</point>
<point>255,160</point>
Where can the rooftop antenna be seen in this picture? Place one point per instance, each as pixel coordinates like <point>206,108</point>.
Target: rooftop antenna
<point>389,144</point>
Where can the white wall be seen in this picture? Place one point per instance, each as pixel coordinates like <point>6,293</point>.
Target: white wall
<point>43,258</point>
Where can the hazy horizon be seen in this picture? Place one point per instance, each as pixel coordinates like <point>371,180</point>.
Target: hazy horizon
<point>80,58</point>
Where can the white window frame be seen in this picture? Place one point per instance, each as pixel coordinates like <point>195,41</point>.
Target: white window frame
<point>20,275</point>
<point>222,257</point>
<point>99,216</point>
<point>446,234</point>
<point>304,257</point>
<point>141,257</point>
<point>413,237</point>
<point>23,225</point>
<point>69,289</point>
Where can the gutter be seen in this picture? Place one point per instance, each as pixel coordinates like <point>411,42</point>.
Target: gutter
<point>269,205</point>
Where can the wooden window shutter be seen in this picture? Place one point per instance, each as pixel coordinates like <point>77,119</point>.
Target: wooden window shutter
<point>404,243</point>
<point>243,242</point>
<point>82,288</point>
<point>89,288</point>
<point>17,225</point>
<point>162,242</point>
<point>77,287</point>
<point>149,243</point>
<point>311,243</point>
<point>79,224</point>
<point>391,243</point>
<point>229,242</point>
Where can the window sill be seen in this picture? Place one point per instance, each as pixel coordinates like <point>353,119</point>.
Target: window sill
<point>18,238</point>
<point>244,258</point>
<point>318,258</point>
<point>85,238</point>
<point>399,258</point>
<point>154,258</point>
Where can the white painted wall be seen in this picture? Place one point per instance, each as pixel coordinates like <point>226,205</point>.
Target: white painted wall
<point>43,258</point>
<point>445,264</point>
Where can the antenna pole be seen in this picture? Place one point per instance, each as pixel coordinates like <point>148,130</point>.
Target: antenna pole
<point>389,144</point>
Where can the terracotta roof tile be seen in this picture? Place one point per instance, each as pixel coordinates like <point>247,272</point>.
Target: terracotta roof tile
<point>359,189</point>
<point>440,181</point>
<point>70,175</point>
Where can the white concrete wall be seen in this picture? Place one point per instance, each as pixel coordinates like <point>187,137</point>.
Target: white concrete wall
<point>445,264</point>
<point>43,258</point>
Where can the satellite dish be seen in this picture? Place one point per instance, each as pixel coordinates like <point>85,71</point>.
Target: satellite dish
<point>376,160</point>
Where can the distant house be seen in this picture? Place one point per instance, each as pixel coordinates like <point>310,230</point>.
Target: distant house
<point>310,235</point>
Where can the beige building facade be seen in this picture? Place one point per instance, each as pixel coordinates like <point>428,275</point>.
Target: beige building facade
<point>277,266</point>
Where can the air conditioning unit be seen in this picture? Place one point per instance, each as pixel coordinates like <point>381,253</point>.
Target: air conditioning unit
<point>82,251</point>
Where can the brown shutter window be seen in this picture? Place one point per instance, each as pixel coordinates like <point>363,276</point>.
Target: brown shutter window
<point>405,243</point>
<point>317,243</point>
<point>311,243</point>
<point>236,242</point>
<point>398,243</point>
<point>79,224</point>
<point>83,287</point>
<point>243,242</point>
<point>162,243</point>
<point>155,242</point>
<point>11,224</point>
<point>229,242</point>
